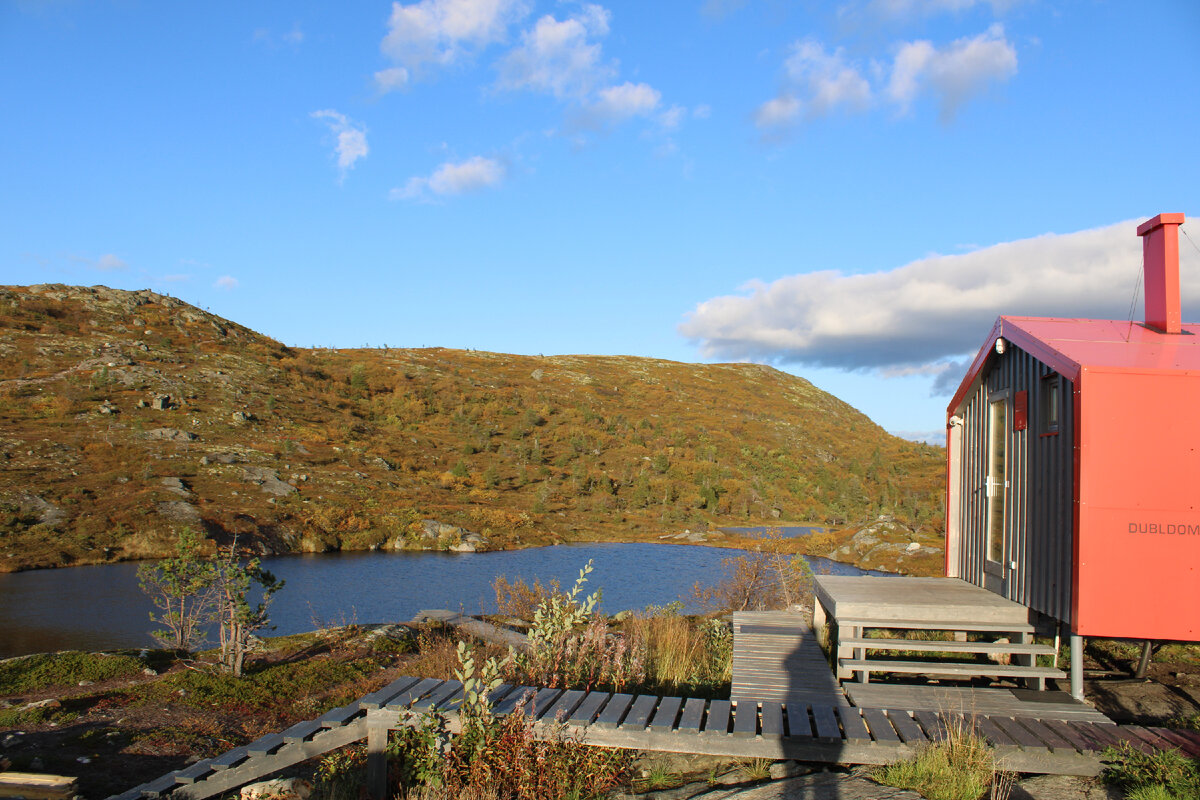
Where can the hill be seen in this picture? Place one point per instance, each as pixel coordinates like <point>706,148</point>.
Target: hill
<point>125,416</point>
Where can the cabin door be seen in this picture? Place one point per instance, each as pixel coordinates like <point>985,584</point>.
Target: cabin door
<point>997,491</point>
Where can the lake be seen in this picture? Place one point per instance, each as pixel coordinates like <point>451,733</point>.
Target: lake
<point>101,607</point>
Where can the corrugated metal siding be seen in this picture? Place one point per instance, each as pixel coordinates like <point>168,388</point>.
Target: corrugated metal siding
<point>1040,480</point>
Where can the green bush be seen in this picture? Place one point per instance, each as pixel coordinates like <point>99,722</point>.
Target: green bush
<point>1166,774</point>
<point>44,670</point>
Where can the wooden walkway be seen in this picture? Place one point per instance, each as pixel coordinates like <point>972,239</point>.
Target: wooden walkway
<point>777,657</point>
<point>744,729</point>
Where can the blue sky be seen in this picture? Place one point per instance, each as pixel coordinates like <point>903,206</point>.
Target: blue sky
<point>851,192</point>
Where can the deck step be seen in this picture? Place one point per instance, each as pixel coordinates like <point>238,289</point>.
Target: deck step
<point>988,669</point>
<point>936,625</point>
<point>950,647</point>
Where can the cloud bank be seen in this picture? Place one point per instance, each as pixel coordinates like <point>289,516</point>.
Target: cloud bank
<point>817,82</point>
<point>918,317</point>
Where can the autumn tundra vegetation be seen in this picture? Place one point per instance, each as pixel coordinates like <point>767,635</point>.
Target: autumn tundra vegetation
<point>127,416</point>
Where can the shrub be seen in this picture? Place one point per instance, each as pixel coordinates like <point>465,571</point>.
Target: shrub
<point>520,600</point>
<point>44,670</point>
<point>1166,774</point>
<point>683,655</point>
<point>571,646</point>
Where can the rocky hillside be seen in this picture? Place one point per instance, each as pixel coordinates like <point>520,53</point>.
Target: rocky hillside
<point>125,416</point>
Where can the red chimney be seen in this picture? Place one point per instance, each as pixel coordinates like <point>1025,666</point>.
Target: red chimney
<point>1160,262</point>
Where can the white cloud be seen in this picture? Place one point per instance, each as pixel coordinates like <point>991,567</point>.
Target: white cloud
<point>955,73</point>
<point>921,315</point>
<point>904,9</point>
<point>351,142</point>
<point>777,112</point>
<point>616,104</point>
<point>560,57</point>
<point>110,262</point>
<point>391,79</point>
<point>442,31</point>
<point>672,118</point>
<point>293,37</point>
<point>816,84</point>
<point>452,178</point>
<point>702,112</point>
<point>225,283</point>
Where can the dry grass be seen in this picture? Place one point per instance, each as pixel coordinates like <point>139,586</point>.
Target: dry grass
<point>962,767</point>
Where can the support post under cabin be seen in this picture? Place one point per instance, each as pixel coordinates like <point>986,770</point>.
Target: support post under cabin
<point>1076,666</point>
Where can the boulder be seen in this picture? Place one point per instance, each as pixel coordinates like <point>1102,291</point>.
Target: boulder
<point>181,512</point>
<point>268,480</point>
<point>242,417</point>
<point>278,789</point>
<point>170,435</point>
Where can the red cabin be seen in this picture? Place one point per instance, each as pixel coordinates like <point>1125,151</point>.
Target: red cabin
<point>1074,464</point>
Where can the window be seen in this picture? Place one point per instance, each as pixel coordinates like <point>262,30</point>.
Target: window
<point>1051,403</point>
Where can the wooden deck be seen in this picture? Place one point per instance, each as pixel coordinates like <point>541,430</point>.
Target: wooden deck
<point>1002,645</point>
<point>776,657</point>
<point>926,602</point>
<point>746,728</point>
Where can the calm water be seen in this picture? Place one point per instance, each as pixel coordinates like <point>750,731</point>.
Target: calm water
<point>783,531</point>
<point>101,607</point>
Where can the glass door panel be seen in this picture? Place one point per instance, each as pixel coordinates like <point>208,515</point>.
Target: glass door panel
<point>997,477</point>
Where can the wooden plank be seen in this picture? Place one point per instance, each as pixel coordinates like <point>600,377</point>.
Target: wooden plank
<point>665,714</point>
<point>436,695</point>
<point>379,698</point>
<point>1101,733</point>
<point>799,725</point>
<point>923,645</point>
<point>569,701</point>
<point>881,729</point>
<point>521,694</point>
<point>1076,739</point>
<point>1177,738</point>
<point>190,775</point>
<point>1053,740</point>
<point>745,718</point>
<point>301,731</point>
<point>586,712</point>
<point>934,727</point>
<point>853,726</point>
<point>989,668</point>
<point>410,694</point>
<point>264,745</point>
<point>543,701</point>
<point>639,713</point>
<point>1121,735</point>
<point>910,731</point>
<point>1149,737</point>
<point>693,714</point>
<point>772,720</point>
<point>826,724</point>
<point>337,717</point>
<point>452,702</point>
<point>717,720</point>
<point>1019,733</point>
<point>230,758</point>
<point>614,710</point>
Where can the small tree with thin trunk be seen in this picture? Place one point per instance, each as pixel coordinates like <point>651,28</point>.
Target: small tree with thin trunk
<point>237,617</point>
<point>183,589</point>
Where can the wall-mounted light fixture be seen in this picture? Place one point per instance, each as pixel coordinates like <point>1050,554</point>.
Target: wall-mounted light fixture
<point>955,421</point>
<point>1001,346</point>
